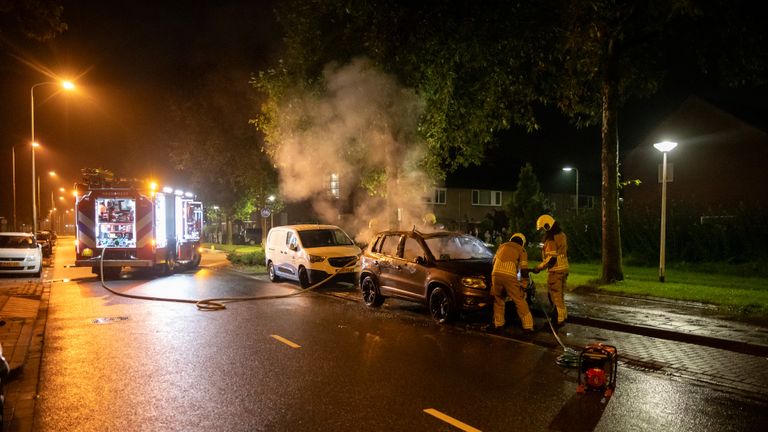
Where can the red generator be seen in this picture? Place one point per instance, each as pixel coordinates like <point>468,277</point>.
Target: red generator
<point>597,369</point>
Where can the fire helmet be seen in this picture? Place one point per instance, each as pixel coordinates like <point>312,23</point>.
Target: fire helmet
<point>518,236</point>
<point>545,222</point>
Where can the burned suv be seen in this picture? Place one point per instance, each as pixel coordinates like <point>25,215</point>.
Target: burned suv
<point>449,272</point>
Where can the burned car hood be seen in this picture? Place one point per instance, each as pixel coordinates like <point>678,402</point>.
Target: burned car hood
<point>466,267</point>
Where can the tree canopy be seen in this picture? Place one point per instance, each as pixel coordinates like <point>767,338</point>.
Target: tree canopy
<point>483,67</point>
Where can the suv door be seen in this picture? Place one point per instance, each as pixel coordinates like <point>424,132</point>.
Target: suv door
<point>386,251</point>
<point>408,269</point>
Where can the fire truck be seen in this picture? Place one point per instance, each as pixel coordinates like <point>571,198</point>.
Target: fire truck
<point>129,223</point>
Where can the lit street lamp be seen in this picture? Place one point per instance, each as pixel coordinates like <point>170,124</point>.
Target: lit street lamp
<point>569,169</point>
<point>67,85</point>
<point>663,147</point>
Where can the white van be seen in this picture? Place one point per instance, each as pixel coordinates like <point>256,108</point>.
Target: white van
<point>310,253</point>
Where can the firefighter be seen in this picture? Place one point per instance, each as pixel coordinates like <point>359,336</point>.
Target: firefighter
<point>510,259</point>
<point>555,259</point>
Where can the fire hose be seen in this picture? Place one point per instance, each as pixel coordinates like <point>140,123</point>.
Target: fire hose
<point>569,357</point>
<point>212,304</point>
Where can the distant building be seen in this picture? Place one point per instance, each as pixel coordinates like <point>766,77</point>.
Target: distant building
<point>719,165</point>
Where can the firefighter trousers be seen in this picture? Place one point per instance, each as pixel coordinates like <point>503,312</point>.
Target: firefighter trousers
<point>556,284</point>
<point>501,285</point>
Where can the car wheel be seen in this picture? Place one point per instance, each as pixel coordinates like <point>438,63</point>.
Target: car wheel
<point>371,295</point>
<point>272,275</point>
<point>441,306</point>
<point>304,277</point>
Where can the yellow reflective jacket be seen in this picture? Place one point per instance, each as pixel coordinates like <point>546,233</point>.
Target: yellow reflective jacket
<point>556,247</point>
<point>509,258</point>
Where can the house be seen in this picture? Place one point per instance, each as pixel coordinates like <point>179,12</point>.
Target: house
<point>720,164</point>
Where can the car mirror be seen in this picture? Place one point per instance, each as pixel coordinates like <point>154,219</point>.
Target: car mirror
<point>293,247</point>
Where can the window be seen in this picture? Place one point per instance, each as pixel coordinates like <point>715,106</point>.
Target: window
<point>437,197</point>
<point>486,198</point>
<point>390,244</point>
<point>334,187</point>
<point>412,249</point>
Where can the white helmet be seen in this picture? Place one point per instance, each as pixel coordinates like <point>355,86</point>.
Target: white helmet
<point>545,222</point>
<point>520,236</point>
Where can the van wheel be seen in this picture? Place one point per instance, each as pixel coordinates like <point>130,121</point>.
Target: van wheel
<point>441,306</point>
<point>273,277</point>
<point>371,295</point>
<point>303,278</point>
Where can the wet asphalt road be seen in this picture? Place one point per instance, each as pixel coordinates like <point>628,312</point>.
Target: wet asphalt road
<point>318,362</point>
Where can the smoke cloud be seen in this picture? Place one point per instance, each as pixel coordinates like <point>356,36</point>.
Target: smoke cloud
<point>362,130</point>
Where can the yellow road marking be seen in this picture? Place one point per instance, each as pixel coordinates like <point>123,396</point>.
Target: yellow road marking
<point>286,341</point>
<point>450,420</point>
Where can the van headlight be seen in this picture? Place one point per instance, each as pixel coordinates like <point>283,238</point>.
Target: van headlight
<point>315,258</point>
<point>473,282</point>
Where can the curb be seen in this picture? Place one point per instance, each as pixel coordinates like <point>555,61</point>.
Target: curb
<point>730,345</point>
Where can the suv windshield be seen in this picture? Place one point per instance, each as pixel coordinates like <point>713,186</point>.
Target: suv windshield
<point>324,237</point>
<point>16,242</point>
<point>457,247</point>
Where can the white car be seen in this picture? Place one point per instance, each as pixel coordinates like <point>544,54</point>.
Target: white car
<point>20,254</point>
<point>310,254</point>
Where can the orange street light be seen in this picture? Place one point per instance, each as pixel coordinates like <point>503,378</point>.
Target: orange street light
<point>67,85</point>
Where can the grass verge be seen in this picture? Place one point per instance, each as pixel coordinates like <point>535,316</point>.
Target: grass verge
<point>741,296</point>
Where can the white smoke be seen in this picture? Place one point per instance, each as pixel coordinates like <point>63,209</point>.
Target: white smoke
<point>363,125</point>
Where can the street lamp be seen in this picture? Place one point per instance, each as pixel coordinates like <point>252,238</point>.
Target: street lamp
<point>663,147</point>
<point>569,169</point>
<point>67,85</point>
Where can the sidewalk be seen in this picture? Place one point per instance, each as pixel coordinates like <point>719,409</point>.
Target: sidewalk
<point>19,306</point>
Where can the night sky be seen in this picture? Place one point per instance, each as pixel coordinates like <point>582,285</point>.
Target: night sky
<point>130,59</point>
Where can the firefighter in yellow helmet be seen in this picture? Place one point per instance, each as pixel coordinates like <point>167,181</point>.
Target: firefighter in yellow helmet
<point>555,259</point>
<point>510,259</point>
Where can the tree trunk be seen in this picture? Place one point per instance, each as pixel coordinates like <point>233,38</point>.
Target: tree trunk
<point>229,229</point>
<point>609,158</point>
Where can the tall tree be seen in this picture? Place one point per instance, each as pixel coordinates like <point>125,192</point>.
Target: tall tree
<point>39,19</point>
<point>526,203</point>
<point>210,142</point>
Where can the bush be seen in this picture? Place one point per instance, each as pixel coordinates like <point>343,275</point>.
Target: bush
<point>250,258</point>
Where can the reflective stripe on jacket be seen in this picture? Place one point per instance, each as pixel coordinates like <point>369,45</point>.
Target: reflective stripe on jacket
<point>510,257</point>
<point>558,248</point>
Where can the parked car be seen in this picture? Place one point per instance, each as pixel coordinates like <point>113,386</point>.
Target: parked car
<point>310,253</point>
<point>46,241</point>
<point>448,272</point>
<point>20,254</point>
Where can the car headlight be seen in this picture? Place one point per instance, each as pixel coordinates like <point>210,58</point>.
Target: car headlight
<point>315,258</point>
<point>473,282</point>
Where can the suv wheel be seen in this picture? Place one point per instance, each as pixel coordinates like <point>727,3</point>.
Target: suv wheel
<point>303,277</point>
<point>273,277</point>
<point>371,295</point>
<point>441,306</point>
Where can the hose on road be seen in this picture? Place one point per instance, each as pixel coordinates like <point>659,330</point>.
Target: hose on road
<point>569,357</point>
<point>212,304</point>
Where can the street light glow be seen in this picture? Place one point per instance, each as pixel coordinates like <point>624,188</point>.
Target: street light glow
<point>665,146</point>
<point>68,85</point>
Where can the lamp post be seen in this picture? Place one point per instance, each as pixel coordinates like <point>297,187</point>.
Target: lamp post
<point>67,85</point>
<point>663,147</point>
<point>13,170</point>
<point>569,169</point>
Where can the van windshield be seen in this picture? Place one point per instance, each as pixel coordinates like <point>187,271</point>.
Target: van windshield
<point>324,237</point>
